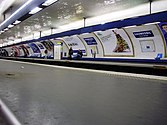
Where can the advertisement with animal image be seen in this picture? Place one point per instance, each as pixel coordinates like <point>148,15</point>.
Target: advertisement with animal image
<point>75,43</point>
<point>115,42</point>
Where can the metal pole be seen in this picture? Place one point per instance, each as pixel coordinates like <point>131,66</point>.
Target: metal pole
<point>8,114</point>
<point>40,34</point>
<point>84,22</point>
<point>33,35</point>
<point>150,6</point>
<point>51,29</point>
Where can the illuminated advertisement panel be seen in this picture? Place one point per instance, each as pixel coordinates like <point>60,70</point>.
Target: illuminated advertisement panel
<point>115,42</point>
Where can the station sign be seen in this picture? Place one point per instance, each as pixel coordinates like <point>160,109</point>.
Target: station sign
<point>90,41</point>
<point>143,34</point>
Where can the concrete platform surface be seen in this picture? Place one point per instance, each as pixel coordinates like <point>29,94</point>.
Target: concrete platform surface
<point>46,95</point>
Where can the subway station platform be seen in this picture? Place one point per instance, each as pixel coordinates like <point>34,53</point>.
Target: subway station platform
<point>42,94</point>
<point>139,66</point>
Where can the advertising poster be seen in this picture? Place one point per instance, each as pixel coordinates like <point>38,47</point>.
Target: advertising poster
<point>75,43</point>
<point>49,47</point>
<point>115,42</point>
<point>163,27</point>
<point>40,45</point>
<point>147,40</point>
<point>42,48</point>
<point>93,45</point>
<point>15,51</point>
<point>9,51</point>
<point>146,44</point>
<point>35,49</point>
<point>31,53</point>
<point>25,50</point>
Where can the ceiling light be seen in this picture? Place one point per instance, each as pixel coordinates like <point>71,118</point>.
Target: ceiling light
<point>49,2</point>
<point>35,10</point>
<point>151,23</point>
<point>10,26</point>
<point>6,29</point>
<point>26,4</point>
<point>108,2</point>
<point>102,23</point>
<point>17,22</point>
<point>130,26</point>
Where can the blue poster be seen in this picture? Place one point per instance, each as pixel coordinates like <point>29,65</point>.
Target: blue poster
<point>34,47</point>
<point>143,34</point>
<point>40,46</point>
<point>163,27</point>
<point>90,41</point>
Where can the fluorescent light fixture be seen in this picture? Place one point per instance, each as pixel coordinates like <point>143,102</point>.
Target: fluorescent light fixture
<point>6,29</point>
<point>35,10</point>
<point>152,23</point>
<point>17,40</point>
<point>10,26</point>
<point>130,26</point>
<point>5,44</point>
<point>114,29</point>
<point>10,42</point>
<point>108,2</point>
<point>17,22</point>
<point>26,4</point>
<point>49,2</point>
<point>102,23</point>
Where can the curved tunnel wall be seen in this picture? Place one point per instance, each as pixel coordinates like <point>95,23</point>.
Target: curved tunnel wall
<point>144,41</point>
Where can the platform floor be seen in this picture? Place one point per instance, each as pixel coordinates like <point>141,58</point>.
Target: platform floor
<point>48,95</point>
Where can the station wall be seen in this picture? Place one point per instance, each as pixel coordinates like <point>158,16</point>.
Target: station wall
<point>75,43</point>
<point>139,42</point>
<point>92,44</point>
<point>147,40</point>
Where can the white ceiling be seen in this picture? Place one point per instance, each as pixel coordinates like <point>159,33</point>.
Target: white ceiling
<point>65,12</point>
